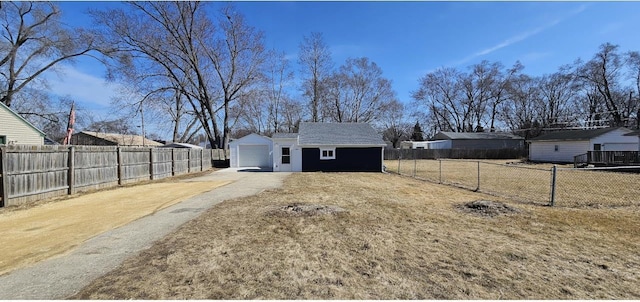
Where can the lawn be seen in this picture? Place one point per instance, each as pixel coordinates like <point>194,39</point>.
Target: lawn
<point>382,236</point>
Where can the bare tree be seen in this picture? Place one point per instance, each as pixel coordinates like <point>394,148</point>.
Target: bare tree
<point>278,76</point>
<point>358,92</point>
<point>237,56</point>
<point>440,95</point>
<point>177,46</point>
<point>393,124</point>
<point>33,40</point>
<point>604,73</point>
<point>316,65</point>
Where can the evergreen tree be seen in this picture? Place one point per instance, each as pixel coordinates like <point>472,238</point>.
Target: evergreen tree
<point>416,136</point>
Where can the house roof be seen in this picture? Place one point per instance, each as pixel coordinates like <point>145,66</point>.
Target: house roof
<point>20,118</point>
<point>349,134</point>
<point>442,135</point>
<point>284,135</point>
<point>634,133</point>
<point>575,135</point>
<point>123,139</point>
<point>181,145</point>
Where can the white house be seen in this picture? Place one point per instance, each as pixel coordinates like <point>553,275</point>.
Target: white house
<point>345,147</point>
<point>16,130</point>
<point>562,146</point>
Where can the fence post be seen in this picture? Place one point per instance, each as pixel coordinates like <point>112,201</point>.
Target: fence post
<point>119,152</point>
<point>478,187</point>
<point>173,161</point>
<point>188,161</point>
<point>415,162</point>
<point>4,192</point>
<point>71,172</point>
<point>553,185</point>
<point>399,159</point>
<point>151,163</point>
<point>201,159</point>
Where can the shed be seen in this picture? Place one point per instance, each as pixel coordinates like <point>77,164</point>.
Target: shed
<point>562,146</point>
<point>14,129</point>
<point>251,151</point>
<point>478,140</point>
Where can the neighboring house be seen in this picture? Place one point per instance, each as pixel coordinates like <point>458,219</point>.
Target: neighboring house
<point>346,147</point>
<point>477,140</point>
<point>14,129</point>
<point>111,139</point>
<point>562,146</point>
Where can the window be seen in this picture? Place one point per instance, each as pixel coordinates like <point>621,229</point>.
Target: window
<point>555,148</point>
<point>327,153</point>
<point>597,147</point>
<point>3,139</point>
<point>286,155</point>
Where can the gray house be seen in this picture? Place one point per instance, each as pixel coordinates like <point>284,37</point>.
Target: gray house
<point>344,147</point>
<point>479,140</point>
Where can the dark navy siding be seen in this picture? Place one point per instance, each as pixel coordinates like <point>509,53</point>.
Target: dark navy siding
<point>347,160</point>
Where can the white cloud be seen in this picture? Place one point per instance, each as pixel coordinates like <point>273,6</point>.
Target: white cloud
<point>522,36</point>
<point>80,86</point>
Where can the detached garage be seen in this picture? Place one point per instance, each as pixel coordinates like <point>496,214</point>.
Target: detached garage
<point>251,151</point>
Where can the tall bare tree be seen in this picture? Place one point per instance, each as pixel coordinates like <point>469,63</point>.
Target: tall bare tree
<point>278,76</point>
<point>358,92</point>
<point>440,94</point>
<point>178,46</point>
<point>316,65</point>
<point>604,73</point>
<point>32,41</point>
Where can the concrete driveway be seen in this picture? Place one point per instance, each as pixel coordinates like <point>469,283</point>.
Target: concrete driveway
<point>62,276</point>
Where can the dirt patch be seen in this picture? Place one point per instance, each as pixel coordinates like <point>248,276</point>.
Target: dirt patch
<point>305,210</point>
<point>487,208</point>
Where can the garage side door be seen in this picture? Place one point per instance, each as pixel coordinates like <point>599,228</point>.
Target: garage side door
<point>254,156</point>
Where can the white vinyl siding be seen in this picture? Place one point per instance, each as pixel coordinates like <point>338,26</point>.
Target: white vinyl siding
<point>17,131</point>
<point>545,151</point>
<point>616,141</point>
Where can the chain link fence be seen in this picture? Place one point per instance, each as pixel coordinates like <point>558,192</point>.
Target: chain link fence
<point>536,184</point>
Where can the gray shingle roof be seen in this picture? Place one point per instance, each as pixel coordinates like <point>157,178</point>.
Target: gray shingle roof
<point>284,135</point>
<point>351,134</point>
<point>475,135</point>
<point>573,135</point>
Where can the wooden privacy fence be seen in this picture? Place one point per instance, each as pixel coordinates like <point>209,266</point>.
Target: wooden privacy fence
<point>394,154</point>
<point>30,173</point>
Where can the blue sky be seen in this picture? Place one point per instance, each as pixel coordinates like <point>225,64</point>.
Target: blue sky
<point>409,39</point>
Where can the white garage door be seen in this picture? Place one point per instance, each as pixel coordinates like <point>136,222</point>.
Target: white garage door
<point>254,156</point>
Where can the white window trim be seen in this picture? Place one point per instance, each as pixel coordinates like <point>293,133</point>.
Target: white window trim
<point>333,152</point>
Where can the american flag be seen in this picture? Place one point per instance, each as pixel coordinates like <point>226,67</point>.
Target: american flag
<point>72,120</point>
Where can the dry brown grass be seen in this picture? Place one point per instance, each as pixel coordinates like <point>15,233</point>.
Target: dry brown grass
<point>398,238</point>
<point>40,232</point>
